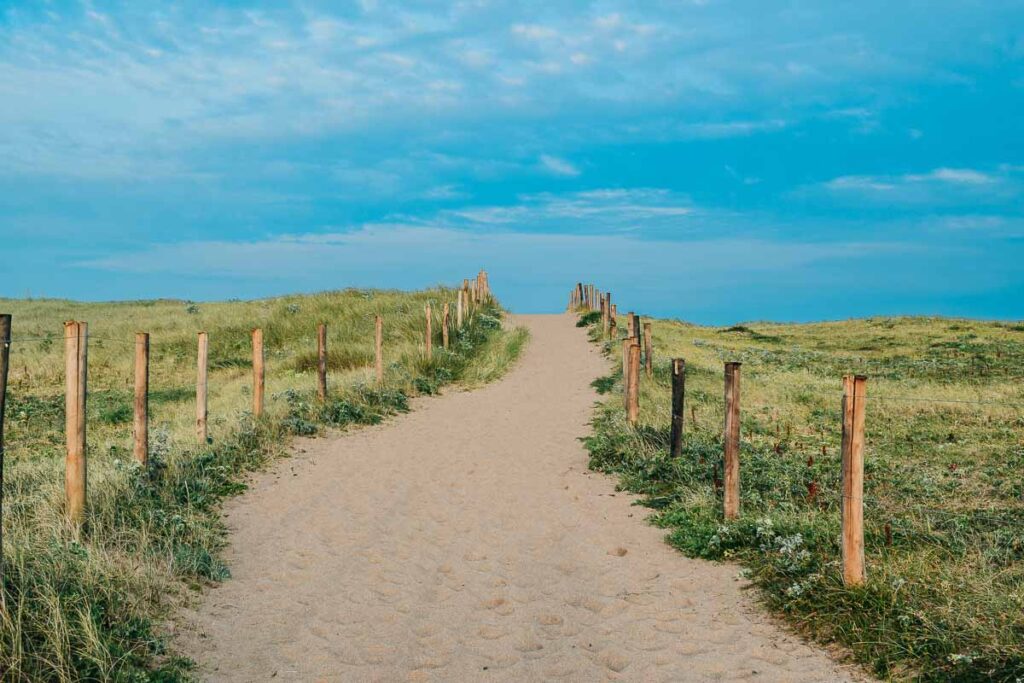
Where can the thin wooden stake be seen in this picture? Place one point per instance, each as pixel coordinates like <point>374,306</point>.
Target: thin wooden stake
<point>633,395</point>
<point>140,426</point>
<point>445,323</point>
<point>5,363</point>
<point>321,361</point>
<point>202,369</point>
<point>732,441</point>
<point>378,344</point>
<point>854,394</point>
<point>76,359</point>
<point>630,330</point>
<point>458,311</point>
<point>625,371</point>
<point>258,372</point>
<point>429,333</point>
<point>678,405</point>
<point>648,355</point>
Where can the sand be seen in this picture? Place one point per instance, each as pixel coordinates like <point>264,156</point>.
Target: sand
<point>467,541</point>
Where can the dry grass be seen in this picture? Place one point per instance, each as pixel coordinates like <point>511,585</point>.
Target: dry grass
<point>944,508</point>
<point>85,607</point>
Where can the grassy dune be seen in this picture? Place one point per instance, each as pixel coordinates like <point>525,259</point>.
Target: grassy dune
<point>944,491</point>
<point>89,607</point>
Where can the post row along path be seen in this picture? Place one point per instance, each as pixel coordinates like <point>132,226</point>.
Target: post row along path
<point>467,541</point>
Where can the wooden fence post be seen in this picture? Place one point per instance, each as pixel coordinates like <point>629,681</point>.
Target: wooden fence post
<point>633,395</point>
<point>445,322</point>
<point>378,344</point>
<point>321,361</point>
<point>258,374</point>
<point>202,367</point>
<point>458,312</point>
<point>625,371</point>
<point>732,441</point>
<point>76,359</point>
<point>648,356</point>
<point>429,334</point>
<point>854,394</point>
<point>678,405</point>
<point>5,361</point>
<point>635,327</point>
<point>140,426</point>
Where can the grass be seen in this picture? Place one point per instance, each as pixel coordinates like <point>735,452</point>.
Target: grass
<point>944,495</point>
<point>90,606</point>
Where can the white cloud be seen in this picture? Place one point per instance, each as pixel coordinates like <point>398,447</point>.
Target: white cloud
<point>558,166</point>
<point>939,186</point>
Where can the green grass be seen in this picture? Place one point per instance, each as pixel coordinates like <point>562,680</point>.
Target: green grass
<point>944,493</point>
<point>89,606</point>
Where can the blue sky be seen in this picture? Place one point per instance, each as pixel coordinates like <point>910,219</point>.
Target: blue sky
<point>711,160</point>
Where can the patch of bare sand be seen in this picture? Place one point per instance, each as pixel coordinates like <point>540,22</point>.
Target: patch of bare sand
<point>467,541</point>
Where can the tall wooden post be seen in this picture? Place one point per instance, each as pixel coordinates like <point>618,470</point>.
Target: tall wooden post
<point>854,395</point>
<point>258,375</point>
<point>76,361</point>
<point>445,323</point>
<point>732,440</point>
<point>378,344</point>
<point>630,330</point>
<point>140,426</point>
<point>202,368</point>
<point>635,327</point>
<point>458,311</point>
<point>321,361</point>
<point>633,394</point>
<point>648,354</point>
<point>429,333</point>
<point>5,362</point>
<point>678,401</point>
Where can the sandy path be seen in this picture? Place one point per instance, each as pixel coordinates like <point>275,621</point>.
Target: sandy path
<point>467,542</point>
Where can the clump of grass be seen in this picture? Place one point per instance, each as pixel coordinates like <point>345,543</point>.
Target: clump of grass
<point>944,502</point>
<point>87,606</point>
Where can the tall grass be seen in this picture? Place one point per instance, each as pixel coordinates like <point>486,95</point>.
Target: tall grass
<point>89,606</point>
<point>944,495</point>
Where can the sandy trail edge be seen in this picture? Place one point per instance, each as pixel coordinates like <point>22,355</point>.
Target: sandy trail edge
<point>467,541</point>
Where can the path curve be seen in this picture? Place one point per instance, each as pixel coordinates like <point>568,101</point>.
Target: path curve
<point>467,541</point>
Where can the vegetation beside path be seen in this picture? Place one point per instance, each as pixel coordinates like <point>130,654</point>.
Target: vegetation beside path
<point>944,490</point>
<point>90,607</point>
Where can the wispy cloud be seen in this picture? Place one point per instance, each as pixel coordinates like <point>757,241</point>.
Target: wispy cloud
<point>558,166</point>
<point>938,186</point>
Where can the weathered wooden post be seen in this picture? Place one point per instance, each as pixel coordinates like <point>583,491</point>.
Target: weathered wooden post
<point>678,401</point>
<point>76,360</point>
<point>202,366</point>
<point>140,425</point>
<point>630,330</point>
<point>635,327</point>
<point>609,314</point>
<point>258,375</point>
<point>458,311</point>
<point>648,355</point>
<point>445,323</point>
<point>625,371</point>
<point>633,395</point>
<point>854,395</point>
<point>732,441</point>
<point>5,363</point>
<point>379,347</point>
<point>429,333</point>
<point>321,361</point>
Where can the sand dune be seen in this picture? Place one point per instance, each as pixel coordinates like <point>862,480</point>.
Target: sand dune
<point>468,542</point>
